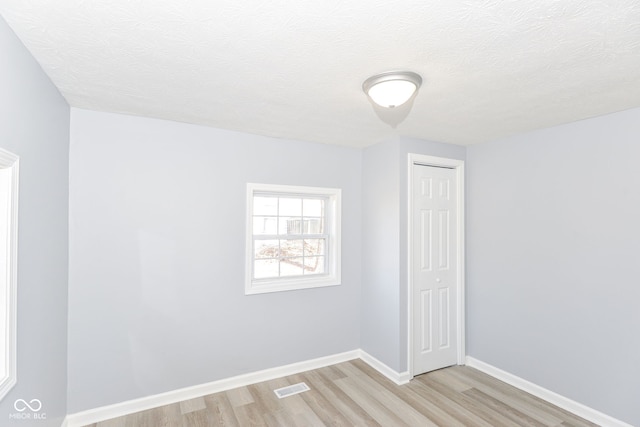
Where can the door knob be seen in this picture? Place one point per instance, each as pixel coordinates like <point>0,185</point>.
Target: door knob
<point>438,280</point>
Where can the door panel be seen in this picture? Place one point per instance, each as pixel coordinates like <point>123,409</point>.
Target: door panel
<point>425,319</point>
<point>425,240</point>
<point>445,329</point>
<point>434,271</point>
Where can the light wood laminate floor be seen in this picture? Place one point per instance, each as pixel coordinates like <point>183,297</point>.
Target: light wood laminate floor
<point>354,394</point>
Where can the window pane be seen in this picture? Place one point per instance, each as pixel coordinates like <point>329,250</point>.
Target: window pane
<point>264,225</point>
<point>313,207</point>
<point>266,249</point>
<point>290,206</point>
<point>291,267</point>
<point>291,248</point>
<point>263,269</point>
<point>298,225</point>
<point>313,247</point>
<point>313,226</point>
<point>263,205</point>
<point>314,265</point>
<point>289,225</point>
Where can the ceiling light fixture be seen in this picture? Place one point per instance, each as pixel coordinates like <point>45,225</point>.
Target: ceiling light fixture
<point>392,88</point>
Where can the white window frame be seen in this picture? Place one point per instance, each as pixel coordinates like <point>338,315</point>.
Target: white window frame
<point>332,277</point>
<point>9,163</point>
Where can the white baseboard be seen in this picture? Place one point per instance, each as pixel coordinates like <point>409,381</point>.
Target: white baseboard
<point>397,377</point>
<point>120,409</point>
<point>563,402</point>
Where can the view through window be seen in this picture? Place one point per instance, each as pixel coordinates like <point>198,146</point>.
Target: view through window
<point>289,238</point>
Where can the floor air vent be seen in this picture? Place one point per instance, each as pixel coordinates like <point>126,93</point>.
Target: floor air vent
<point>290,390</point>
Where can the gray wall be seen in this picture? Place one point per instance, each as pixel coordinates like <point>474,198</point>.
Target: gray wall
<point>553,237</point>
<point>380,248</point>
<point>384,245</point>
<point>34,124</point>
<point>157,238</point>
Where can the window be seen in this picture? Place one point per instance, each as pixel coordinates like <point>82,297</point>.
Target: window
<point>293,238</point>
<point>8,268</point>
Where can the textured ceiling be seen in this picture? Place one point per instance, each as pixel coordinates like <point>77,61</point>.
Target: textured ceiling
<point>294,68</point>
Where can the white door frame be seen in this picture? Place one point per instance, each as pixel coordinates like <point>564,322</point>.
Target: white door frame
<point>458,165</point>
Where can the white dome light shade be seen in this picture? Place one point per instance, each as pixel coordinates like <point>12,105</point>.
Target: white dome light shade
<point>393,88</point>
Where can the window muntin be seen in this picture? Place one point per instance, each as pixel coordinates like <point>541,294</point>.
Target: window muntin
<point>293,237</point>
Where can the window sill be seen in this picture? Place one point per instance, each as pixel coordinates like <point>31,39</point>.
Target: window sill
<point>281,285</point>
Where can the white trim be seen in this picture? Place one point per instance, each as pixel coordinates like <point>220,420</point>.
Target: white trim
<point>132,406</point>
<point>399,378</point>
<point>129,407</point>
<point>458,165</point>
<point>8,285</point>
<point>124,408</point>
<point>572,406</point>
<point>333,213</point>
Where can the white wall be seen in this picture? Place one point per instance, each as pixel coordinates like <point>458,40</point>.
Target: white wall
<point>553,239</point>
<point>34,124</point>
<point>157,235</point>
